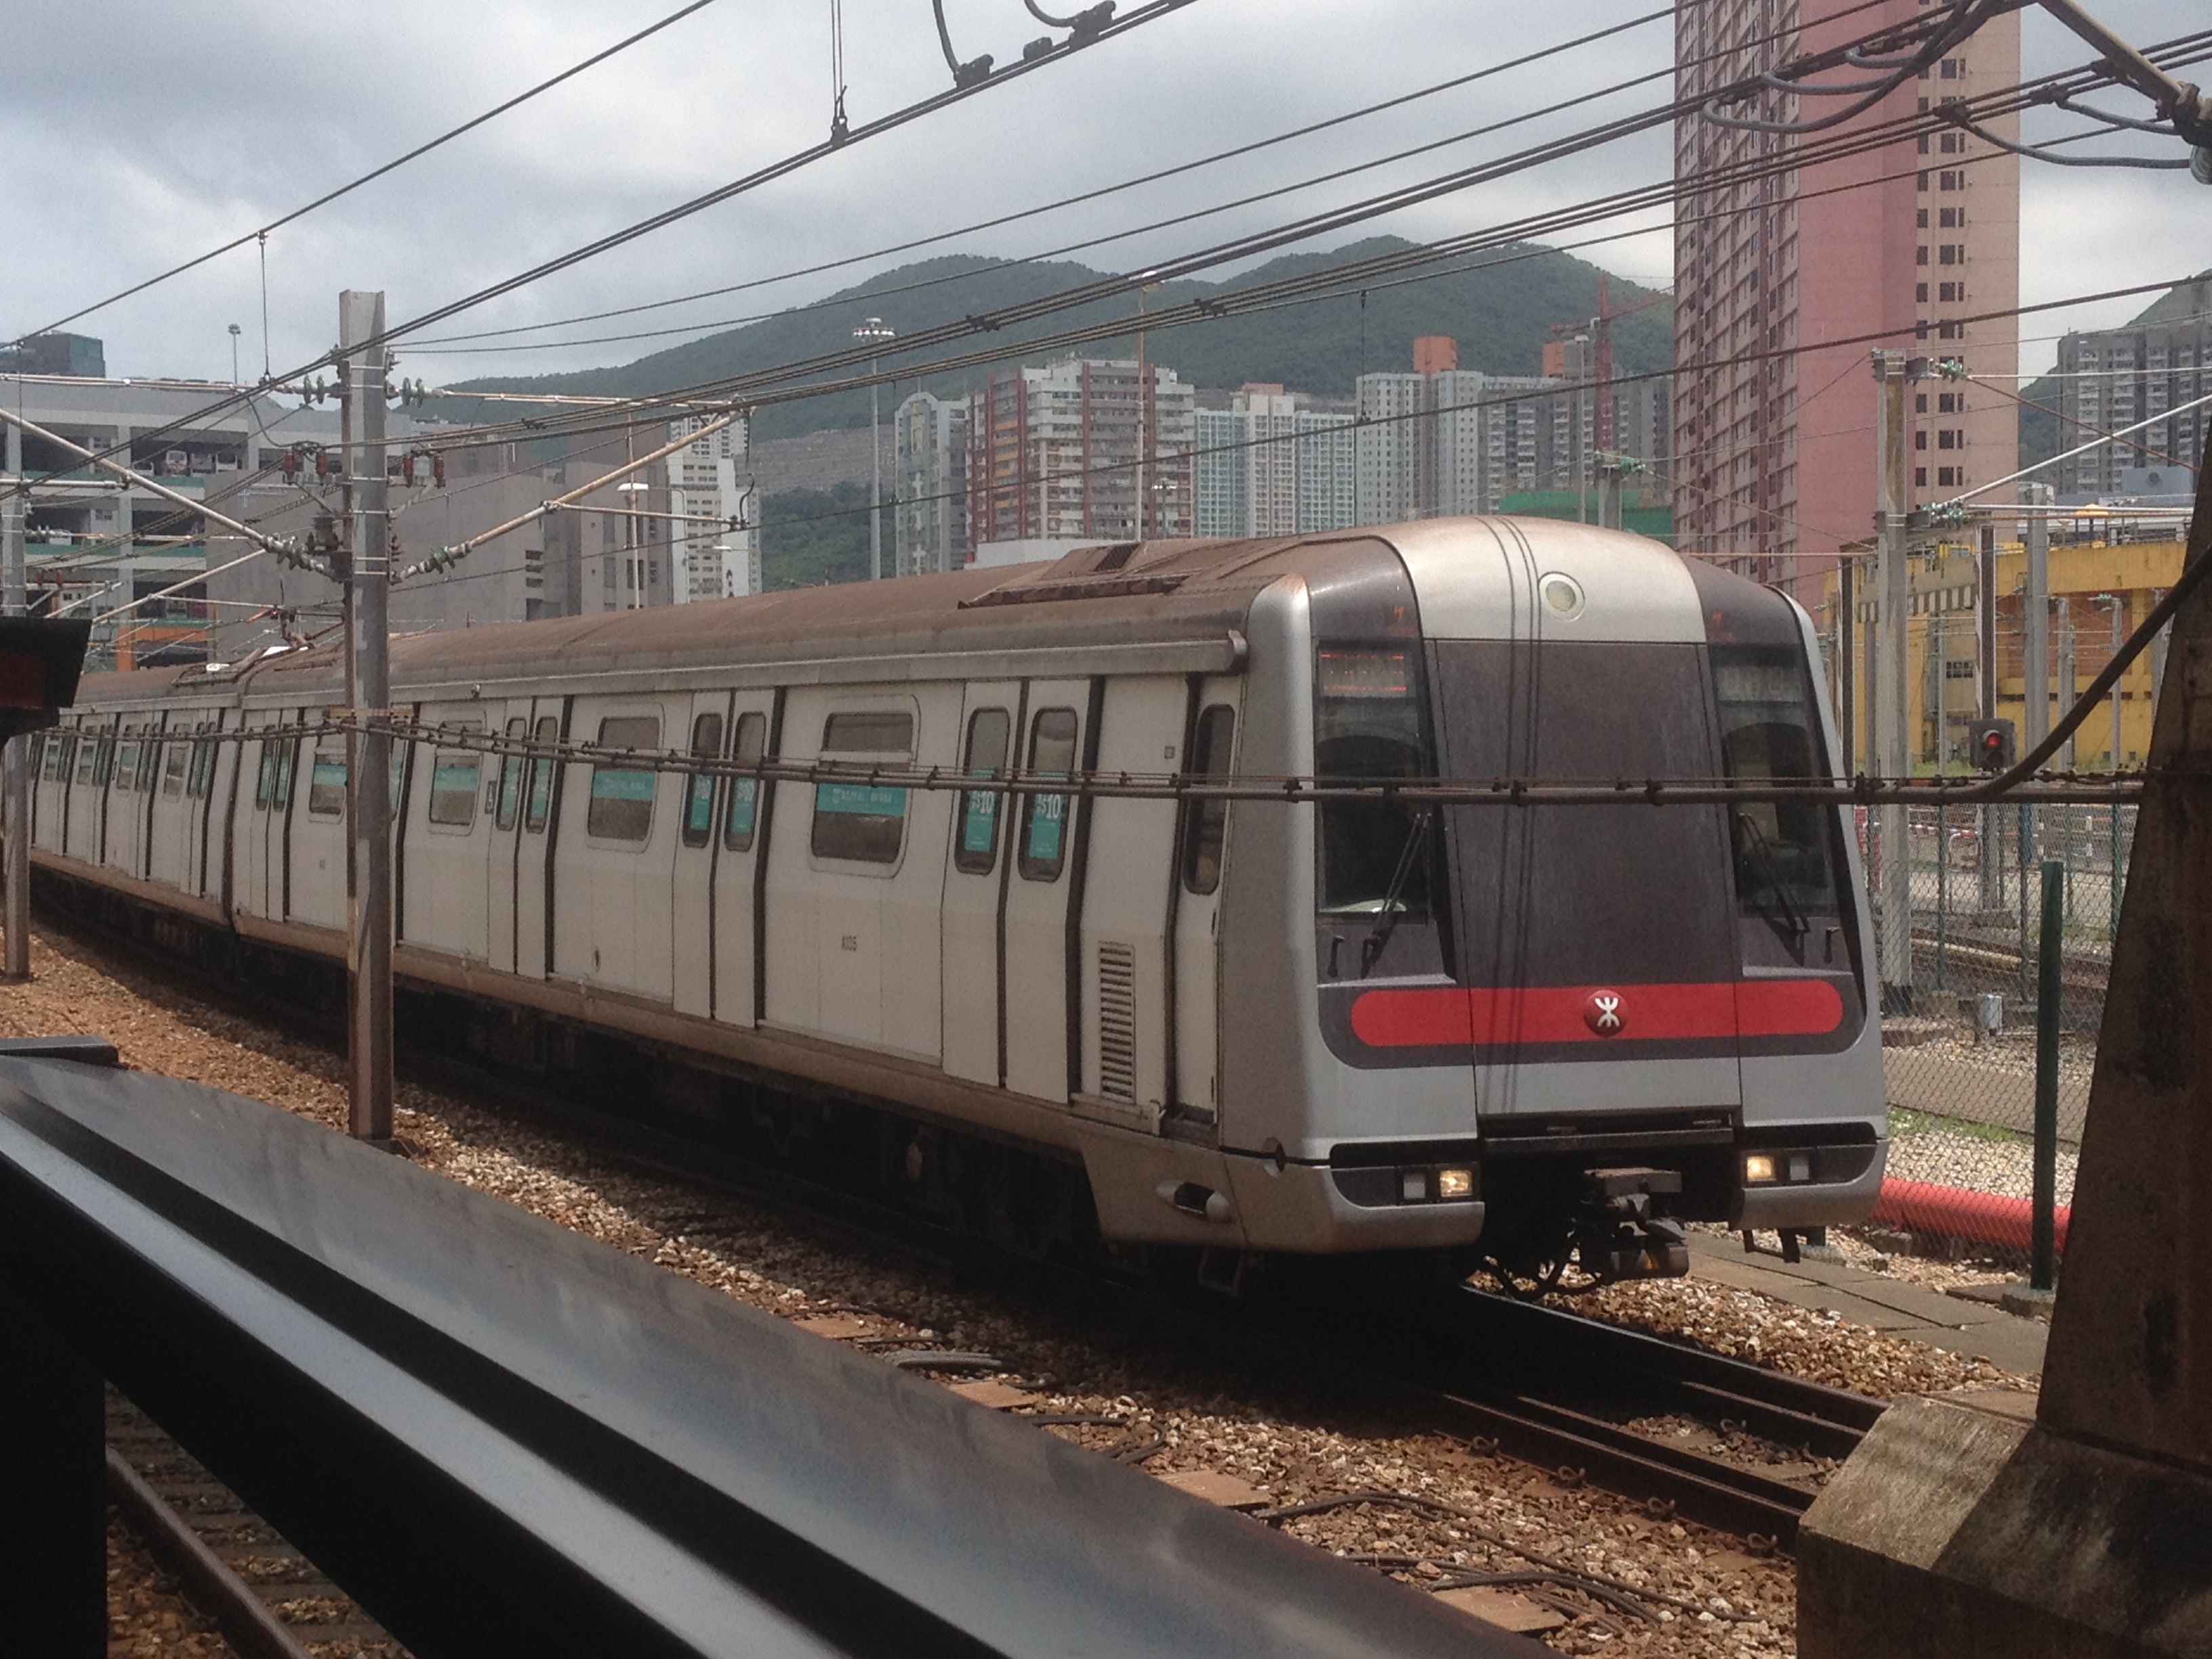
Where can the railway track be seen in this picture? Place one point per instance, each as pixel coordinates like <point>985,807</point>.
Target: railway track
<point>1551,1388</point>
<point>269,1600</point>
<point>1562,1391</point>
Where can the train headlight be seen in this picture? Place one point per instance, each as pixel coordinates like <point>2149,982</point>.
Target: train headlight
<point>1454,1183</point>
<point>1758,1168</point>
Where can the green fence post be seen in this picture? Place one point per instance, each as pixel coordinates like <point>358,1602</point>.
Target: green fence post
<point>2049,948</point>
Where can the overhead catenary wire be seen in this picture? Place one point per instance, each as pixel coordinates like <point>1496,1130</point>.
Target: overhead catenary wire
<point>261,235</point>
<point>1148,13</point>
<point>758,384</point>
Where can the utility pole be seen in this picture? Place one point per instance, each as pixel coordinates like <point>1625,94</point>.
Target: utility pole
<point>1847,645</point>
<point>15,769</point>
<point>875,330</point>
<point>1985,663</point>
<point>2035,678</point>
<point>1893,681</point>
<point>368,695</point>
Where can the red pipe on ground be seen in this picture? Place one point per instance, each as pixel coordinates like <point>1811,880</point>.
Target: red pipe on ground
<point>1922,1206</point>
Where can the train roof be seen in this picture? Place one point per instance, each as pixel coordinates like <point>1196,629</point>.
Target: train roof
<point>1163,606</point>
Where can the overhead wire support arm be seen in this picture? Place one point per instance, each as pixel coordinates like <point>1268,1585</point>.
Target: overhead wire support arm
<point>2178,101</point>
<point>284,548</point>
<point>446,557</point>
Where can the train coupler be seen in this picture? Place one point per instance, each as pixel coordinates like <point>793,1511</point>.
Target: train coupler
<point>1617,1236</point>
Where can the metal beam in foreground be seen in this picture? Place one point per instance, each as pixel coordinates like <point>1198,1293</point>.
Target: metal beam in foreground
<point>504,1438</point>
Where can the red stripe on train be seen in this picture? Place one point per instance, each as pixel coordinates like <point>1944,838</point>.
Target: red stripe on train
<point>1457,1016</point>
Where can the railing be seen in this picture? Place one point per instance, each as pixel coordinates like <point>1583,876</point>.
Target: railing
<point>503,1438</point>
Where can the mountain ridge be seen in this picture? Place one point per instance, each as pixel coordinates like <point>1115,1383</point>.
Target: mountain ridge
<point>1500,311</point>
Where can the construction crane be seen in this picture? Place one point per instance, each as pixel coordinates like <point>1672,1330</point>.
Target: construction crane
<point>1600,333</point>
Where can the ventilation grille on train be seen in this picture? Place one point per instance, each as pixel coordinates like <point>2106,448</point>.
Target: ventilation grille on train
<point>1117,1020</point>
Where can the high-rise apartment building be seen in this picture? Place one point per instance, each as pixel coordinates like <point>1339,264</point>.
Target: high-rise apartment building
<point>1081,449</point>
<point>1786,276</point>
<point>1267,465</point>
<point>930,468</point>
<point>1445,439</point>
<point>2114,377</point>
<point>714,550</point>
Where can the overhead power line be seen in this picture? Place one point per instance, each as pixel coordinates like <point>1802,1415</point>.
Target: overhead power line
<point>1144,15</point>
<point>420,150</point>
<point>774,384</point>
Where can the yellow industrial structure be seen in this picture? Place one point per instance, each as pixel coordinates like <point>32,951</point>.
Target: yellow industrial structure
<point>2093,584</point>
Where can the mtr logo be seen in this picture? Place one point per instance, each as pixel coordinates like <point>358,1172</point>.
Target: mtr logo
<point>1601,1013</point>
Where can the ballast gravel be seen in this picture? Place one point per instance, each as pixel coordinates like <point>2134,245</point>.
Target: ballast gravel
<point>1618,1579</point>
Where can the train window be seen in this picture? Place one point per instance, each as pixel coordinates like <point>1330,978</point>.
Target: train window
<point>1205,822</point>
<point>172,772</point>
<point>266,776</point>
<point>454,775</point>
<point>56,758</point>
<point>288,756</point>
<point>150,763</point>
<point>103,762</point>
<point>622,796</point>
<point>699,789</point>
<point>87,755</point>
<point>990,731</point>
<point>1785,852</point>
<point>202,772</point>
<point>869,731</point>
<point>326,779</point>
<point>1367,725</point>
<point>126,761</point>
<point>864,822</point>
<point>1044,818</point>
<point>510,776</point>
<point>541,776</point>
<point>744,792</point>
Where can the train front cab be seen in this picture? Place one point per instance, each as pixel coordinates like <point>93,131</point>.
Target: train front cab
<point>1536,1028</point>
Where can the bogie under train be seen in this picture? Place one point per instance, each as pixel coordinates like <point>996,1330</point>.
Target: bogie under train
<point>1254,1026</point>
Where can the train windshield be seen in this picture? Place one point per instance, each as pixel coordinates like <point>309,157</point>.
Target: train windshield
<point>1368,726</point>
<point>1785,852</point>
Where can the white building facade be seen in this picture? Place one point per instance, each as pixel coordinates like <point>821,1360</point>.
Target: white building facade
<point>930,471</point>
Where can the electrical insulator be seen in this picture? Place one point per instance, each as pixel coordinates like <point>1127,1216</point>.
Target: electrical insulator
<point>407,470</point>
<point>291,465</point>
<point>322,464</point>
<point>438,469</point>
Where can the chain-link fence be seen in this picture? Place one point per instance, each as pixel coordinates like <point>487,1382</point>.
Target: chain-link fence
<point>1958,1051</point>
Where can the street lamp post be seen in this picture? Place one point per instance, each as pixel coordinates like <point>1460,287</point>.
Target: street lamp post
<point>233,354</point>
<point>874,330</point>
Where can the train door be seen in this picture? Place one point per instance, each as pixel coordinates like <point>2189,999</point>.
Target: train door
<point>283,776</point>
<point>56,766</point>
<point>318,844</point>
<point>691,916</point>
<point>1047,835</point>
<point>1200,862</point>
<point>169,859</point>
<point>260,757</point>
<point>1128,890</point>
<point>121,848</point>
<point>741,860</point>
<point>975,886</point>
<point>448,845</point>
<point>853,933</point>
<point>1585,930</point>
<point>504,800</point>
<point>616,851</point>
<point>205,799</point>
<point>541,810</point>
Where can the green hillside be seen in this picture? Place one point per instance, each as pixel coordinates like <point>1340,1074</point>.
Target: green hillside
<point>1500,313</point>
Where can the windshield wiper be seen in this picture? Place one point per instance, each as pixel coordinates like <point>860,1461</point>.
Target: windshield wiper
<point>1371,951</point>
<point>1762,853</point>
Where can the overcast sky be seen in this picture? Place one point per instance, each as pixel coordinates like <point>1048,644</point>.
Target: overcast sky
<point>139,133</point>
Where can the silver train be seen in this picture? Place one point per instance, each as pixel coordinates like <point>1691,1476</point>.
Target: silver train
<point>1248,1027</point>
